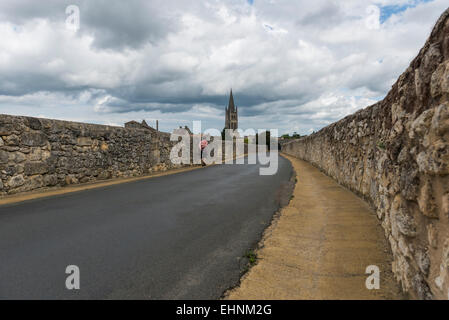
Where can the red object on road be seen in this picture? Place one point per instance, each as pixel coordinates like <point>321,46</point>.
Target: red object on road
<point>203,144</point>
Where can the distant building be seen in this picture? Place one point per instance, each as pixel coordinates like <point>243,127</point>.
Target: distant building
<point>181,131</point>
<point>231,121</point>
<point>136,125</point>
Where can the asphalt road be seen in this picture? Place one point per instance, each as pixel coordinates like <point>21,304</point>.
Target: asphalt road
<point>180,236</point>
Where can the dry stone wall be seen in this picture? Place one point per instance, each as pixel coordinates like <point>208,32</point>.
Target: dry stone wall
<point>395,154</point>
<point>37,153</point>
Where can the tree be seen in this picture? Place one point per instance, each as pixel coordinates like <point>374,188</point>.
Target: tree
<point>295,135</point>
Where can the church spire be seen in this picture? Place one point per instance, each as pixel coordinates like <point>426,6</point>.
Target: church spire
<point>231,119</point>
<point>231,102</point>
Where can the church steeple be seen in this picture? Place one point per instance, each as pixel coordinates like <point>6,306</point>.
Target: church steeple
<point>231,102</point>
<point>231,121</point>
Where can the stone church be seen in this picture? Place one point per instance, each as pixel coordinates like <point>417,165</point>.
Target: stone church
<point>231,111</point>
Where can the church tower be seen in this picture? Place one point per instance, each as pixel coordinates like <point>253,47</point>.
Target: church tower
<point>231,121</point>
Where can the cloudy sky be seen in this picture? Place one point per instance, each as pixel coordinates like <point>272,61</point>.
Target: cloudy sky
<point>294,65</point>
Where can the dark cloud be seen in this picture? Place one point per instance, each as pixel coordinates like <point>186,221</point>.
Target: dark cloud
<point>21,11</point>
<point>327,15</point>
<point>132,23</point>
<point>114,24</point>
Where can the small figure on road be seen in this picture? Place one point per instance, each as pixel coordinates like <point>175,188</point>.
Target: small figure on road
<point>203,145</point>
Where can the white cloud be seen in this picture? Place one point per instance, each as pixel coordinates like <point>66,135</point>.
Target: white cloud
<point>293,65</point>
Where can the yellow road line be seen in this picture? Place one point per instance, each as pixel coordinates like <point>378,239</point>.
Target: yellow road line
<point>10,199</point>
<point>45,193</point>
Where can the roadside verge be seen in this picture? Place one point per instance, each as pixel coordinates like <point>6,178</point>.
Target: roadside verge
<point>319,247</point>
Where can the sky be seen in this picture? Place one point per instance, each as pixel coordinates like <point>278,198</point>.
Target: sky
<point>295,66</point>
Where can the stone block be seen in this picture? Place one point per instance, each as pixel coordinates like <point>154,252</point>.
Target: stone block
<point>33,139</point>
<point>35,167</point>
<point>4,157</point>
<point>16,181</point>
<point>426,201</point>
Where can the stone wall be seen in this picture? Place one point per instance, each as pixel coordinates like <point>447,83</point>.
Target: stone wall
<point>37,153</point>
<point>395,154</point>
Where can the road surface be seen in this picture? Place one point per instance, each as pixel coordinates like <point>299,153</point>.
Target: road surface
<point>180,236</point>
